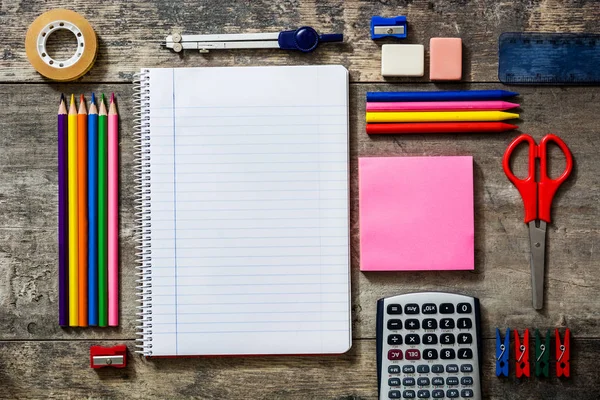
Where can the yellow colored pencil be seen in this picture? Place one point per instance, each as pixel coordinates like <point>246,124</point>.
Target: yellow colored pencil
<point>73,220</point>
<point>440,116</point>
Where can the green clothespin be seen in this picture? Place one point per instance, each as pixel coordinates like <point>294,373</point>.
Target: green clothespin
<point>542,354</point>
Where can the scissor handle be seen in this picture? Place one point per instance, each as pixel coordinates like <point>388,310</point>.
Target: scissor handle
<point>527,187</point>
<point>547,187</point>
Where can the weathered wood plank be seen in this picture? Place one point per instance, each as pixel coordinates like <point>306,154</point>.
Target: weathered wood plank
<point>130,31</point>
<point>36,370</point>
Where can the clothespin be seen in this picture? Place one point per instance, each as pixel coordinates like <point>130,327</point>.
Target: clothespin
<point>542,354</point>
<point>108,356</point>
<point>563,354</point>
<point>502,352</point>
<point>522,354</point>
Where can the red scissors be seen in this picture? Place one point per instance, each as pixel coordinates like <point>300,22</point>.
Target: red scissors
<point>537,198</point>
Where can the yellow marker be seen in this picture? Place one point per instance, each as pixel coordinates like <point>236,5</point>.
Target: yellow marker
<point>439,116</point>
<point>73,220</point>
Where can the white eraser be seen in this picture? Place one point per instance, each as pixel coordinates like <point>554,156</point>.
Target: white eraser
<point>402,60</point>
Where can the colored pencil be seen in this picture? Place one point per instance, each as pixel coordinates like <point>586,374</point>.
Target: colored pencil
<point>439,116</point>
<point>441,106</point>
<point>63,219</point>
<point>463,95</point>
<point>73,217</point>
<point>102,215</point>
<point>93,213</point>
<point>113,214</point>
<point>438,127</point>
<point>82,209</point>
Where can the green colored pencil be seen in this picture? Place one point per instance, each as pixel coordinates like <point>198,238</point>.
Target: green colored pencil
<point>102,215</point>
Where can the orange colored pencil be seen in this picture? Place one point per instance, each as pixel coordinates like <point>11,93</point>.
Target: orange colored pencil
<point>82,210</point>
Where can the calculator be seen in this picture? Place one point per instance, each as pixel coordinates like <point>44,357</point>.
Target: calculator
<point>428,346</point>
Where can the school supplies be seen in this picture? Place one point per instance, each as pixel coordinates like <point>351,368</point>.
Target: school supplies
<point>92,170</point>
<point>537,199</point>
<point>409,204</point>
<point>388,27</point>
<point>441,116</point>
<point>79,63</point>
<point>73,216</point>
<point>63,220</point>
<point>113,213</point>
<point>82,231</point>
<point>441,106</point>
<point>548,58</point>
<point>563,354</point>
<point>402,60</point>
<point>445,59</point>
<point>522,354</point>
<point>542,354</point>
<point>438,127</point>
<point>304,39</point>
<point>243,211</point>
<point>502,352</point>
<point>466,95</point>
<point>102,214</point>
<point>115,356</point>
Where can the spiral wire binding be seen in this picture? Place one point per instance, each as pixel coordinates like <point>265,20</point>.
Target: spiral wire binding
<point>141,98</point>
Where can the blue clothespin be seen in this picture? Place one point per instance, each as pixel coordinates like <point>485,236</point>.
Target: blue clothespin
<point>388,27</point>
<point>502,352</point>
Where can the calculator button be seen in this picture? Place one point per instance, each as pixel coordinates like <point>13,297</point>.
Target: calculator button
<point>466,380</point>
<point>394,394</point>
<point>408,369</point>
<point>463,308</point>
<point>437,381</point>
<point>412,338</point>
<point>430,338</point>
<point>437,368</point>
<point>394,382</point>
<point>446,308</point>
<point>465,338</point>
<point>411,309</point>
<point>408,394</point>
<point>429,323</point>
<point>452,393</point>
<point>466,393</point>
<point>431,354</point>
<point>447,354</point>
<point>438,394</point>
<point>466,368</point>
<point>465,354</point>
<point>451,368</point>
<point>423,382</point>
<point>408,381</point>
<point>413,354</point>
<point>451,380</point>
<point>445,323</point>
<point>394,324</point>
<point>465,323</point>
<point>423,394</point>
<point>394,340</point>
<point>423,369</point>
<point>429,308</point>
<point>395,355</point>
<point>447,338</point>
<point>412,324</point>
<point>394,309</point>
<point>394,369</point>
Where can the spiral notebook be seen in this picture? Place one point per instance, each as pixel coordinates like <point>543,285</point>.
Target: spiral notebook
<point>243,210</point>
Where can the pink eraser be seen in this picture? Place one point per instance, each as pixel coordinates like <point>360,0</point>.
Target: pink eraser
<point>445,59</point>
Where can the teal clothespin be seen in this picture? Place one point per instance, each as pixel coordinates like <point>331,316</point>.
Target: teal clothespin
<point>542,354</point>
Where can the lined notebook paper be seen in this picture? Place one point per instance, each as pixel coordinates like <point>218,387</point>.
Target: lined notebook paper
<point>245,211</point>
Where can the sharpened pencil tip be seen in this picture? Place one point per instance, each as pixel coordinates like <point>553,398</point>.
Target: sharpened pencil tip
<point>62,97</point>
<point>93,98</point>
<point>81,98</point>
<point>112,97</point>
<point>72,98</point>
<point>102,97</point>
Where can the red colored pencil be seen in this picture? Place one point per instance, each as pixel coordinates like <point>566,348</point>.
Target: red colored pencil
<point>439,127</point>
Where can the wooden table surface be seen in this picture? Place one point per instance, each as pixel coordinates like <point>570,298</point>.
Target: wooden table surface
<point>38,359</point>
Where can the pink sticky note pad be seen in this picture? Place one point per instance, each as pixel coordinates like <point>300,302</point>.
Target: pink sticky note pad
<point>416,213</point>
<point>445,59</point>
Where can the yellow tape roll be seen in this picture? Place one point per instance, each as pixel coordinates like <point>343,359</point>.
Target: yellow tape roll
<point>61,70</point>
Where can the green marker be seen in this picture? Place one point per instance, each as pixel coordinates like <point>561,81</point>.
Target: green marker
<point>102,215</point>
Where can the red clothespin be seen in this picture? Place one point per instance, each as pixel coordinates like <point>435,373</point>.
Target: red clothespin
<point>108,356</point>
<point>563,354</point>
<point>522,354</point>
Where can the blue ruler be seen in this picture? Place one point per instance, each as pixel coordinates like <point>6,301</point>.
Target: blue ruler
<point>549,58</point>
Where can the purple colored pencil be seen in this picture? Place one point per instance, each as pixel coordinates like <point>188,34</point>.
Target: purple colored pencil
<point>63,215</point>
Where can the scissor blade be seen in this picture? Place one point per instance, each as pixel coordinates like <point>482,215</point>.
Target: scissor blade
<point>537,241</point>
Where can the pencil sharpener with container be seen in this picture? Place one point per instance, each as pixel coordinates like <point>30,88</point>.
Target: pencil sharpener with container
<point>115,356</point>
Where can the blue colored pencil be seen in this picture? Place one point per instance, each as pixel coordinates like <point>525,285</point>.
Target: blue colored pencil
<point>461,95</point>
<point>93,213</point>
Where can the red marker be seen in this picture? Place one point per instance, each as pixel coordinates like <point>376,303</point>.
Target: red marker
<point>439,127</point>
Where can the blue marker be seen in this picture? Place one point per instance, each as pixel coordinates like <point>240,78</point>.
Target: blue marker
<point>93,213</point>
<point>462,95</point>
